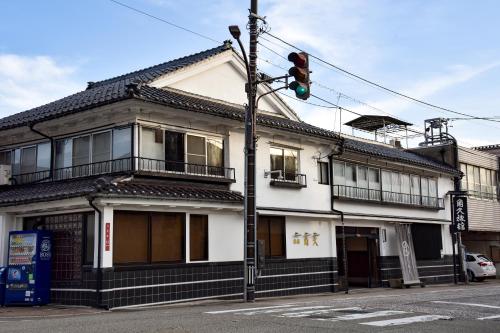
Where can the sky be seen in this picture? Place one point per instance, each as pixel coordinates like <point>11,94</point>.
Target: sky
<point>443,52</point>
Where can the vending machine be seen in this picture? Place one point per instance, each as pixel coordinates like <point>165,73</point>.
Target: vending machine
<point>29,268</point>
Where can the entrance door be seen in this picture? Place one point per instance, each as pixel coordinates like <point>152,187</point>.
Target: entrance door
<point>361,246</point>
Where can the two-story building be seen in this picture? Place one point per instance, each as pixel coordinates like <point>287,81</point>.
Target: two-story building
<point>139,178</point>
<point>480,167</point>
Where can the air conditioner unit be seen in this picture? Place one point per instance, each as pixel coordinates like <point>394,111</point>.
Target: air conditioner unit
<point>5,174</point>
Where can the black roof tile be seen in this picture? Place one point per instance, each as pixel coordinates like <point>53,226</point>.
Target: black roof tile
<point>395,154</point>
<point>49,191</point>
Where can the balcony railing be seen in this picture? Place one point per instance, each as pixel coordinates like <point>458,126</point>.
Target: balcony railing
<point>358,193</point>
<point>296,180</point>
<point>131,164</point>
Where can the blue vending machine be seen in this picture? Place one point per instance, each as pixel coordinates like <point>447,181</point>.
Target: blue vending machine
<point>29,268</point>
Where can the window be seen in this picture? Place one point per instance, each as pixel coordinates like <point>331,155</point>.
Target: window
<point>196,153</point>
<point>338,173</point>
<point>271,230</point>
<point>28,160</point>
<point>479,182</point>
<point>122,149</point>
<point>284,160</point>
<point>150,147</point>
<point>323,176</point>
<point>130,238</point>
<point>198,237</point>
<point>174,151</point>
<point>167,237</point>
<point>142,238</point>
<point>89,240</point>
<point>43,157</point>
<point>215,153</point>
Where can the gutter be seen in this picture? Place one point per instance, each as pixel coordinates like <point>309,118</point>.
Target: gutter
<point>339,212</point>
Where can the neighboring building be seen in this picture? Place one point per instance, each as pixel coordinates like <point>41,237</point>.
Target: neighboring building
<point>159,153</point>
<point>481,169</point>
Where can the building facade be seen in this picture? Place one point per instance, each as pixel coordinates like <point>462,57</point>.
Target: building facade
<point>480,167</point>
<point>139,178</point>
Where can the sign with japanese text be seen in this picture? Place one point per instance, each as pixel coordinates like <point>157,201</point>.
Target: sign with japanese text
<point>460,219</point>
<point>107,237</point>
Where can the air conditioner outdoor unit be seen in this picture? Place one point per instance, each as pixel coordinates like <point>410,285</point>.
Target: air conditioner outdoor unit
<point>5,174</point>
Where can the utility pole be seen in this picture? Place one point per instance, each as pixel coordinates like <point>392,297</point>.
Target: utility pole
<point>250,138</point>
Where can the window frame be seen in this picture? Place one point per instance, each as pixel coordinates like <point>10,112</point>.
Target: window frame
<point>321,176</point>
<point>282,220</point>
<point>149,261</point>
<point>283,169</point>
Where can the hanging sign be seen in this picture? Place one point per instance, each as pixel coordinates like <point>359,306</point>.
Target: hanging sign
<point>107,237</point>
<point>460,219</point>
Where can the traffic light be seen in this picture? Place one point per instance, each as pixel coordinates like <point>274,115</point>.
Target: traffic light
<point>300,72</point>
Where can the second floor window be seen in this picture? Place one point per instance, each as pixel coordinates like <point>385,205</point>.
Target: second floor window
<point>284,163</point>
<point>171,151</point>
<point>479,182</point>
<point>95,153</point>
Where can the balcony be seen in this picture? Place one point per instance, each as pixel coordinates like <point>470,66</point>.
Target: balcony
<point>296,180</point>
<point>384,197</point>
<point>136,165</point>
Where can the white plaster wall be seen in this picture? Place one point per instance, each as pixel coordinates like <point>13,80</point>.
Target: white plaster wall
<point>222,82</point>
<point>314,197</point>
<point>301,225</point>
<point>7,224</point>
<point>225,237</point>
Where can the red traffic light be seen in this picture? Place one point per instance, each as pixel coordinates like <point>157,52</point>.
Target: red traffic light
<point>299,59</point>
<point>300,72</point>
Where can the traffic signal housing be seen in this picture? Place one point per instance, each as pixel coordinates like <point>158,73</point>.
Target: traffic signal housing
<point>300,71</point>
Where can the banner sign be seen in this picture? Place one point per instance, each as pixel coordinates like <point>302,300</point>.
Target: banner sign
<point>460,220</point>
<point>407,254</point>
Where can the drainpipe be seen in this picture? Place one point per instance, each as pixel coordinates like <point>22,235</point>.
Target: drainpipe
<point>52,148</point>
<point>99,252</point>
<point>339,212</point>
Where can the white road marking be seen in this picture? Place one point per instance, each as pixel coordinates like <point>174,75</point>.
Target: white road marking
<point>357,316</point>
<point>405,321</point>
<point>469,304</point>
<point>489,317</point>
<point>303,314</point>
<point>251,309</point>
<point>251,313</point>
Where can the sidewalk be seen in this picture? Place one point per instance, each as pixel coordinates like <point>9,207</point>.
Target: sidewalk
<point>56,310</point>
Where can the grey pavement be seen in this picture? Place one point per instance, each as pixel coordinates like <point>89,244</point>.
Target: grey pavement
<point>444,308</point>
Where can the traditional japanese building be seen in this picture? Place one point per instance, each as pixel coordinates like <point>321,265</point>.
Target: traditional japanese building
<point>140,179</point>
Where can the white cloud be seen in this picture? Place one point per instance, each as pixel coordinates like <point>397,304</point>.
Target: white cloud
<point>425,88</point>
<point>30,81</point>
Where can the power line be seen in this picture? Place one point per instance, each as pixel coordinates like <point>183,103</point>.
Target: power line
<point>165,21</point>
<point>374,83</point>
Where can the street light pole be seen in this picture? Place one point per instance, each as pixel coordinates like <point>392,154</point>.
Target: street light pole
<point>250,225</point>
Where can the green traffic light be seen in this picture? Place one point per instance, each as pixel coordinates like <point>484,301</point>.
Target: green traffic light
<point>301,90</point>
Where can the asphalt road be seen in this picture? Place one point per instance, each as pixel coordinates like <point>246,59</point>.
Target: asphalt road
<point>473,308</point>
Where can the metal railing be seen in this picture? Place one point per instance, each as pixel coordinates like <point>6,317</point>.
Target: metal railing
<point>359,193</point>
<point>289,179</point>
<point>183,168</point>
<point>129,164</point>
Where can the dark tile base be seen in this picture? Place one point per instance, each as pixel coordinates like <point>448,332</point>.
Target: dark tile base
<point>128,286</point>
<point>429,271</point>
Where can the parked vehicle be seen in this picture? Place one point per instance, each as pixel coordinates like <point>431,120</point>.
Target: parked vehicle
<point>479,267</point>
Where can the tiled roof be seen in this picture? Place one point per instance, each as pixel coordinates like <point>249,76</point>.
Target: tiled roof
<point>488,147</point>
<point>103,92</point>
<point>191,102</point>
<point>395,154</point>
<point>149,74</point>
<point>23,194</point>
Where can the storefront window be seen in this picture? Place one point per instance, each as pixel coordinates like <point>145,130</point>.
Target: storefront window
<point>198,237</point>
<point>130,238</point>
<point>271,230</point>
<point>144,238</point>
<point>167,237</point>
